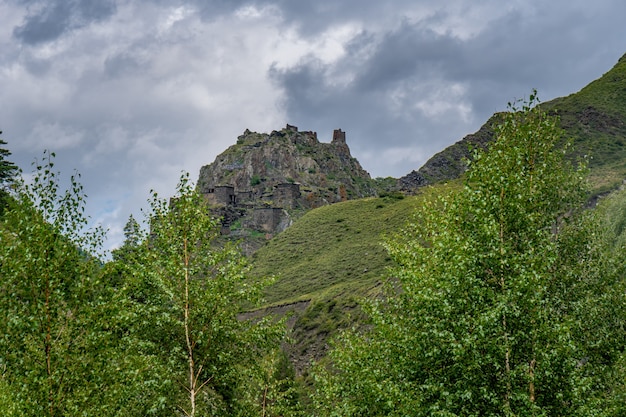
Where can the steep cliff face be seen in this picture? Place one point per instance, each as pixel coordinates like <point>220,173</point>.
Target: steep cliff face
<point>260,164</point>
<point>263,180</point>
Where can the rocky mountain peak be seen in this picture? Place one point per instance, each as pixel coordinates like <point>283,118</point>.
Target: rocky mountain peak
<point>282,172</point>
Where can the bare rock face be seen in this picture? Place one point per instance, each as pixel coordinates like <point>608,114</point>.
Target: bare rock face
<point>449,163</point>
<point>282,172</point>
<point>412,181</point>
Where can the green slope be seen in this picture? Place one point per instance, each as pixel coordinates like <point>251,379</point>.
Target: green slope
<point>324,264</point>
<point>332,249</point>
<point>327,262</point>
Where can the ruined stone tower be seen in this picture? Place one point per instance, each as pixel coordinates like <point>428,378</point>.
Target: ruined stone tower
<point>339,137</point>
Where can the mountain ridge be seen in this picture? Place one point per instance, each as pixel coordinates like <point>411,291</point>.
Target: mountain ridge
<point>264,181</point>
<point>260,160</point>
<point>594,118</point>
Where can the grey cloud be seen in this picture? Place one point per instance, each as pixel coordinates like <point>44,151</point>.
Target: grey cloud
<point>54,18</point>
<point>315,17</point>
<point>551,50</point>
<point>213,9</point>
<point>121,64</point>
<point>310,18</point>
<point>544,47</point>
<point>408,61</point>
<point>304,84</point>
<point>402,53</point>
<point>35,66</point>
<point>364,112</point>
<point>45,25</point>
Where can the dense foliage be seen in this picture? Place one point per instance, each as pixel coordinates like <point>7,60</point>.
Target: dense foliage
<point>500,301</point>
<point>155,331</point>
<point>47,284</point>
<point>187,293</point>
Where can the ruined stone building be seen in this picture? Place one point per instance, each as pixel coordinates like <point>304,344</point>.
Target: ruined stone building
<point>286,195</point>
<point>221,195</point>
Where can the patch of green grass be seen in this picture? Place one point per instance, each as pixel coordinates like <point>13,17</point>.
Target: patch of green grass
<point>333,249</point>
<point>333,258</point>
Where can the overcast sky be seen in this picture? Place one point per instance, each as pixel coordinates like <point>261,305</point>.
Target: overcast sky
<point>132,92</point>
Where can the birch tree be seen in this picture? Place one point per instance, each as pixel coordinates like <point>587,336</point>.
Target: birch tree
<point>48,269</point>
<point>478,318</point>
<point>201,288</point>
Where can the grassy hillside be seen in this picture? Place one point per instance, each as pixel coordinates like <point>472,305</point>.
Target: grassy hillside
<point>326,263</point>
<point>332,249</point>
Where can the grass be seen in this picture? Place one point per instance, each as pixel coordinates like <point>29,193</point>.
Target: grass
<point>332,257</point>
<point>332,249</point>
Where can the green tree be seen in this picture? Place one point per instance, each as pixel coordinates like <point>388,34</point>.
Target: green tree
<point>479,319</point>
<point>601,318</point>
<point>133,237</point>
<point>188,293</point>
<point>8,171</point>
<point>132,232</point>
<point>48,273</point>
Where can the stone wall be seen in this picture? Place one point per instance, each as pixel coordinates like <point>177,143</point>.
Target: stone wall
<point>221,195</point>
<point>267,218</point>
<point>286,195</point>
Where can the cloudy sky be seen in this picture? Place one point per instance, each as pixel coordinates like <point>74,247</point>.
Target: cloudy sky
<point>132,92</point>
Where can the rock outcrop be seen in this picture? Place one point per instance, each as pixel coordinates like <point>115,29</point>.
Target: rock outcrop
<point>449,163</point>
<point>263,180</point>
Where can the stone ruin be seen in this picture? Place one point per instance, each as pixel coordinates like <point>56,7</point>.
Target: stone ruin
<point>264,204</point>
<point>268,211</point>
<point>339,136</point>
<point>267,218</point>
<point>221,195</point>
<point>286,195</point>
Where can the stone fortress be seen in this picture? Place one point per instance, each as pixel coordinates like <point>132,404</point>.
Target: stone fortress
<point>268,210</point>
<point>264,180</point>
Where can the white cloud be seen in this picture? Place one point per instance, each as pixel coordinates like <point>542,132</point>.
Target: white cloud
<point>449,99</point>
<point>174,16</point>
